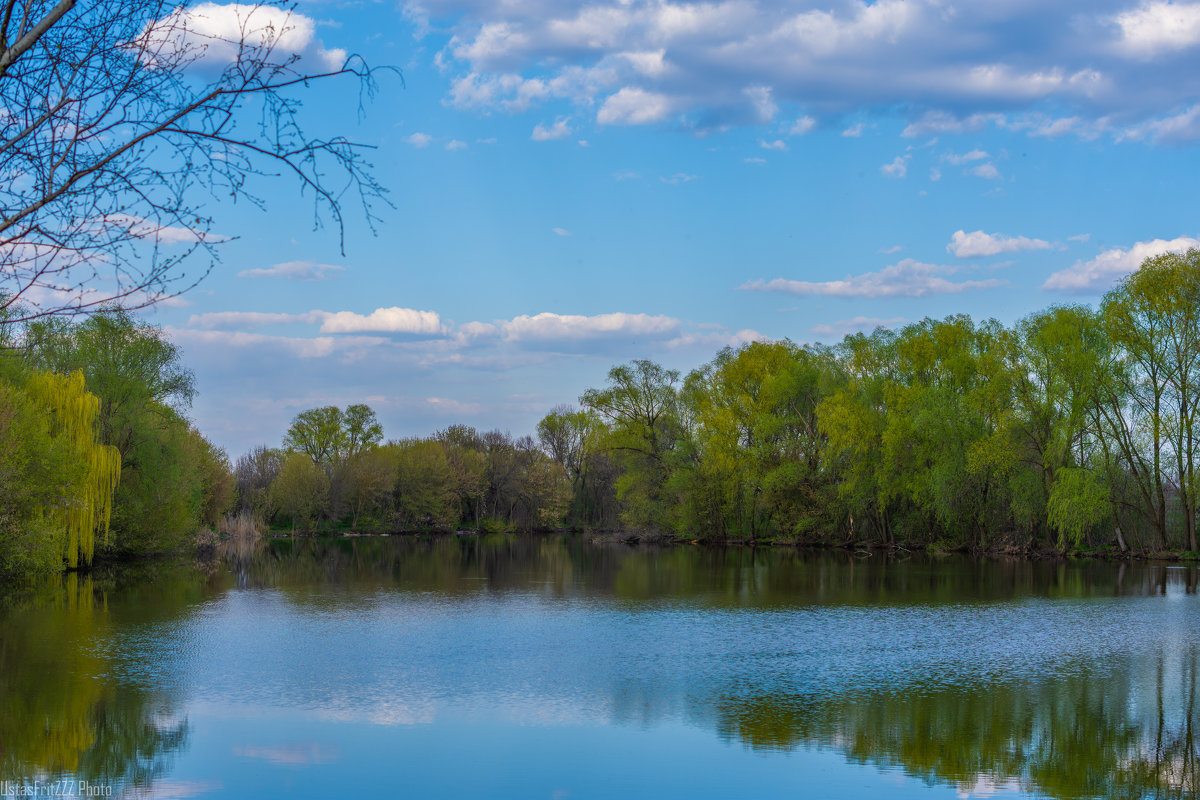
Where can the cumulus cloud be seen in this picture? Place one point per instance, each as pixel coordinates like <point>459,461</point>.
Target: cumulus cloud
<point>898,168</point>
<point>294,271</point>
<point>977,244</point>
<point>456,144</point>
<point>559,130</point>
<point>566,327</point>
<point>959,68</point>
<point>802,126</point>
<point>777,144</point>
<point>385,320</point>
<point>561,231</point>
<point>1100,273</point>
<point>381,320</point>
<point>1156,29</point>
<point>986,171</point>
<point>419,140</point>
<point>908,278</point>
<point>634,106</point>
<point>958,159</point>
<point>731,62</point>
<point>214,35</point>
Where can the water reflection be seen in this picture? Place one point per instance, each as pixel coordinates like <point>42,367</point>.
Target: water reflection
<point>59,717</point>
<point>1067,680</point>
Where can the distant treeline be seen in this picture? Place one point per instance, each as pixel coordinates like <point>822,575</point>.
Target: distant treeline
<point>1074,427</point>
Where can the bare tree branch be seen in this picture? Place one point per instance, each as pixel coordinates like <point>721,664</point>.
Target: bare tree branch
<point>122,120</point>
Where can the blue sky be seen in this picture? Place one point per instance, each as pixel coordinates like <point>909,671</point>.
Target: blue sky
<point>579,184</point>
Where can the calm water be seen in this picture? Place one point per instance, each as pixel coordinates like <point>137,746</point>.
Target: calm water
<point>549,668</point>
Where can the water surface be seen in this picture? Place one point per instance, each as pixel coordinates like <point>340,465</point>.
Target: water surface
<point>547,667</point>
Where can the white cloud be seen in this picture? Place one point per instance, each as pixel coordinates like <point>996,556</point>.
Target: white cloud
<point>1100,273</point>
<point>777,144</point>
<point>419,140</point>
<point>987,171</point>
<point>856,325</point>
<point>854,131</point>
<point>559,130</point>
<point>1181,127</point>
<point>294,271</point>
<point>935,174</point>
<point>958,159</point>
<point>715,340</point>
<point>716,64</point>
<point>455,144</point>
<point>680,177</point>
<point>565,327</point>
<point>754,160</point>
<point>898,168</point>
<point>382,320</point>
<point>978,243</point>
<point>802,126</point>
<point>316,347</point>
<point>251,319</point>
<point>1155,29</point>
<point>142,228</point>
<point>385,320</point>
<point>908,278</point>
<point>887,251</point>
<point>634,106</point>
<point>215,35</point>
<point>561,231</point>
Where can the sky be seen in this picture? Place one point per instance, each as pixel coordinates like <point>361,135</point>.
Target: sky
<point>573,185</point>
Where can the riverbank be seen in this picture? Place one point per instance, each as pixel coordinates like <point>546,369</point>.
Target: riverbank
<point>654,538</point>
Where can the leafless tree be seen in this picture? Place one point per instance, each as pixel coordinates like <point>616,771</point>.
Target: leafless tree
<point>124,120</point>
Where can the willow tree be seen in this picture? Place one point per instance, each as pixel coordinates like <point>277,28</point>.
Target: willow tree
<point>86,505</point>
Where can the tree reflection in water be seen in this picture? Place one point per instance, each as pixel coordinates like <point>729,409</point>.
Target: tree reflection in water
<point>1123,728</point>
<point>59,717</point>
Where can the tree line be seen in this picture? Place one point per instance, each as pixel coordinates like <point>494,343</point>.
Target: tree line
<point>1074,427</point>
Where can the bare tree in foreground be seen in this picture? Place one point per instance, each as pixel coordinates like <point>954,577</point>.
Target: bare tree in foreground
<point>120,119</point>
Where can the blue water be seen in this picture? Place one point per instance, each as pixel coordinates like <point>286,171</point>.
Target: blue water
<point>555,669</point>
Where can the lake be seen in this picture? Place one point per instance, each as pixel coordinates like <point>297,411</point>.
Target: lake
<point>547,667</point>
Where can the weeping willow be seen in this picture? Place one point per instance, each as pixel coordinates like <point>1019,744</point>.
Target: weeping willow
<point>87,505</point>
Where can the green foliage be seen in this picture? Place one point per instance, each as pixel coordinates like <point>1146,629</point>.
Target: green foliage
<point>330,436</point>
<point>1078,502</point>
<point>170,479</point>
<point>641,407</point>
<point>300,491</point>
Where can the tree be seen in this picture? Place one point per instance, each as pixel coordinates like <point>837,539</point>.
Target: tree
<point>317,433</point>
<point>331,437</point>
<point>119,119</point>
<point>300,490</point>
<point>362,431</point>
<point>254,473</point>
<point>48,469</point>
<point>642,405</point>
<point>170,477</point>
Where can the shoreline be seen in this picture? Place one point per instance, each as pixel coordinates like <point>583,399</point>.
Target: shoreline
<point>858,549</point>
